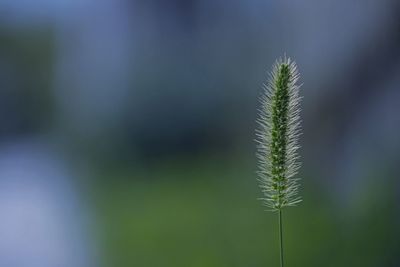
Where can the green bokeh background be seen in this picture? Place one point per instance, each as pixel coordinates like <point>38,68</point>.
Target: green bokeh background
<point>214,219</point>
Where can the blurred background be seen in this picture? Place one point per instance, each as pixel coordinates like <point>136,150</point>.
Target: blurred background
<point>127,127</point>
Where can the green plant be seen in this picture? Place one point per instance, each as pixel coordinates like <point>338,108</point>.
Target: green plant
<point>277,137</point>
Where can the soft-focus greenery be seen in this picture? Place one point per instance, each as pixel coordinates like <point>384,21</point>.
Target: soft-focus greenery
<point>206,214</point>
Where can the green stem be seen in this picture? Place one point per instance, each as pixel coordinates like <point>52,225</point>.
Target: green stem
<point>280,236</point>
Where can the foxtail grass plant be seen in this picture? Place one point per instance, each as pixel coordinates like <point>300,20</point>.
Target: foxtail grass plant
<point>277,138</point>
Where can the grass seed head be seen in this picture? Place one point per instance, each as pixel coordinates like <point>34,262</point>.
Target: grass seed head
<point>277,136</point>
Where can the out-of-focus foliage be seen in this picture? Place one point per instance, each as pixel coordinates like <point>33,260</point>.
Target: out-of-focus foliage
<point>214,220</point>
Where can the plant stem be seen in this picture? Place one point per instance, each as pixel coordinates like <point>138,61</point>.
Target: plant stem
<point>280,236</point>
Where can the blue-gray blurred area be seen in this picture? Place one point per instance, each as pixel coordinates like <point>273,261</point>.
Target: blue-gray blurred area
<point>127,127</point>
